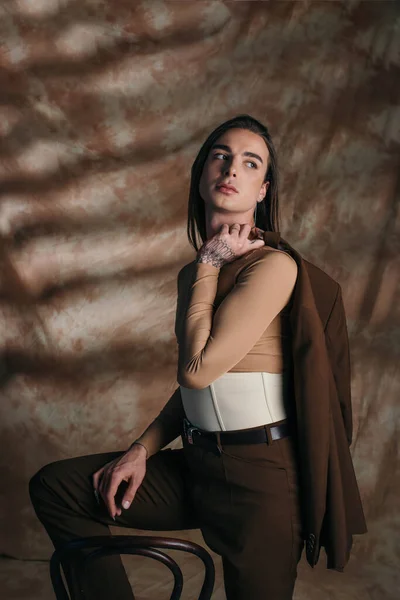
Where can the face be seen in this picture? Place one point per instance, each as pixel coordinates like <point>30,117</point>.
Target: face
<point>239,158</point>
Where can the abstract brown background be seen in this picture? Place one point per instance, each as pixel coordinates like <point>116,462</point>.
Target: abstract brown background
<point>104,105</point>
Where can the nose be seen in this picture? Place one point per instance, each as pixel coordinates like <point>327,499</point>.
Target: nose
<point>230,169</point>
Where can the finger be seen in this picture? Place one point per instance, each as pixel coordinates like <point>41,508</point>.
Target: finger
<point>129,494</point>
<point>257,231</point>
<point>96,478</point>
<point>103,484</point>
<point>109,498</point>
<point>244,231</point>
<point>257,243</point>
<point>253,235</point>
<point>235,229</point>
<point>224,228</point>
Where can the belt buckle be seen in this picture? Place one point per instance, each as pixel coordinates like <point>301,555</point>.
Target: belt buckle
<point>188,430</point>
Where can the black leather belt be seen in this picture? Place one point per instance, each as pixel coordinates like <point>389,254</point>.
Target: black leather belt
<point>258,435</point>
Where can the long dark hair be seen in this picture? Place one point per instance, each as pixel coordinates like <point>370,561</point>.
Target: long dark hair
<point>268,217</point>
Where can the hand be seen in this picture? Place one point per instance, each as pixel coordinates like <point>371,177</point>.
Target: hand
<point>130,467</point>
<point>228,244</point>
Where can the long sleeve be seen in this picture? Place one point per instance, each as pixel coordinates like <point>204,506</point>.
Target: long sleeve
<point>166,426</point>
<point>337,343</point>
<point>211,344</point>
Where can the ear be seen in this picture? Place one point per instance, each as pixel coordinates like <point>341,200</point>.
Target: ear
<point>263,190</point>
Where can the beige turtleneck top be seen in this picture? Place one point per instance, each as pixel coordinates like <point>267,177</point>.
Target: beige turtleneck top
<point>234,318</point>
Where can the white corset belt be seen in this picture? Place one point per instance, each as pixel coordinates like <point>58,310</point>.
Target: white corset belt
<point>236,401</point>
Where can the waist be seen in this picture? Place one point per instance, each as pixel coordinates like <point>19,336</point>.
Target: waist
<point>237,401</point>
<point>214,441</point>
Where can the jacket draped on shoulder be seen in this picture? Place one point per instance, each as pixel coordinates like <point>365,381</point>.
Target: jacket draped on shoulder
<point>331,503</point>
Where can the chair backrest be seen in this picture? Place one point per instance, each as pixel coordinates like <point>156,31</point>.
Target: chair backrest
<point>133,544</point>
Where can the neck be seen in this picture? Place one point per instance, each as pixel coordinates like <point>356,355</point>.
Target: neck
<point>214,220</point>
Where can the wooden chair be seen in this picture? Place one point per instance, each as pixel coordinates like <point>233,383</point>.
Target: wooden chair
<point>134,544</point>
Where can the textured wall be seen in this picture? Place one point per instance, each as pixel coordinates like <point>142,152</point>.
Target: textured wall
<point>104,106</point>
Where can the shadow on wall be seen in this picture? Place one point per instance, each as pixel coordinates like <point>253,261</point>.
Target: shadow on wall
<point>105,107</point>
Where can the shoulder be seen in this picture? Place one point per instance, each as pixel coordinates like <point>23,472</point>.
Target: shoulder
<point>324,287</point>
<point>282,256</point>
<point>267,260</point>
<point>269,271</point>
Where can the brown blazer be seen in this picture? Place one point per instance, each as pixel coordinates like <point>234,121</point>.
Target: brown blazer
<point>331,504</point>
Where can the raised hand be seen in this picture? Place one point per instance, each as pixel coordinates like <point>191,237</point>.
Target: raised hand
<point>228,244</point>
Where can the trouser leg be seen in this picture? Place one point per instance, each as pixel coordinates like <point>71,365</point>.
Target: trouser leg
<point>62,496</point>
<point>250,516</point>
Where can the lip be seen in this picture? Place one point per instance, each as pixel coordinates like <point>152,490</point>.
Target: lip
<point>226,189</point>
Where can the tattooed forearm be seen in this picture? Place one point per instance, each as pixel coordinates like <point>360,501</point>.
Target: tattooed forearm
<point>215,252</point>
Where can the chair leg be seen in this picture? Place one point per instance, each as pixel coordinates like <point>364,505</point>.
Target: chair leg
<point>139,545</point>
<point>151,553</point>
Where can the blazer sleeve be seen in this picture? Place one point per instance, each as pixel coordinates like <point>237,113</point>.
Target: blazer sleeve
<point>337,343</point>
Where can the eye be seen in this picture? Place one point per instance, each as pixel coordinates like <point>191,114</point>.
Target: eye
<point>252,163</point>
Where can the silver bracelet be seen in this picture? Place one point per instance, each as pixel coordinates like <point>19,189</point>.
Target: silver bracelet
<point>139,444</point>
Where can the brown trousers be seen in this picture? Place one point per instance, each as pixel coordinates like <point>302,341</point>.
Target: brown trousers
<point>245,501</point>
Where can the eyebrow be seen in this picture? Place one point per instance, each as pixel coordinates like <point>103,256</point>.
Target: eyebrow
<point>228,149</point>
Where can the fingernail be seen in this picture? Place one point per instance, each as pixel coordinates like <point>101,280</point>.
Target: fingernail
<point>114,518</point>
<point>126,504</point>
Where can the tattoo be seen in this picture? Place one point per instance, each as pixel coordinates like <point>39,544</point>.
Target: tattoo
<point>215,252</point>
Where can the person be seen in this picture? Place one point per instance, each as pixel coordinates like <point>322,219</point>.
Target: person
<point>237,406</point>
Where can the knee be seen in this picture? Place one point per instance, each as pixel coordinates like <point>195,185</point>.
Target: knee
<point>42,481</point>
